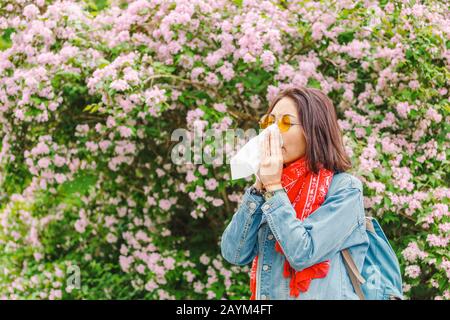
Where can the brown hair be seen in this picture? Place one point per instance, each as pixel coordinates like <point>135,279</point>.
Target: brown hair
<point>323,135</point>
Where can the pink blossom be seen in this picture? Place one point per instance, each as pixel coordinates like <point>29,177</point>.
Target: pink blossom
<point>30,11</point>
<point>151,286</point>
<point>198,193</point>
<point>196,72</point>
<point>82,222</point>
<point>110,122</point>
<point>111,238</point>
<point>125,132</point>
<point>226,71</point>
<point>125,262</point>
<point>204,259</point>
<point>43,163</point>
<point>104,144</point>
<point>189,276</point>
<point>432,114</point>
<point>41,148</point>
<point>412,252</point>
<point>414,84</point>
<point>119,85</point>
<point>437,241</point>
<point>203,171</point>
<point>267,58</point>
<point>412,271</point>
<point>169,263</point>
<point>221,107</point>
<point>165,204</point>
<point>212,79</point>
<point>59,161</point>
<point>190,176</point>
<point>211,184</point>
<point>154,96</point>
<point>60,178</point>
<point>402,178</point>
<point>403,109</point>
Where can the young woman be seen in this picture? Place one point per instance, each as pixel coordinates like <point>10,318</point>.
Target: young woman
<point>303,209</point>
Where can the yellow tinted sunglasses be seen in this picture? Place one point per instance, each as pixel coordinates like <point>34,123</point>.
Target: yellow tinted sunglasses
<point>284,123</point>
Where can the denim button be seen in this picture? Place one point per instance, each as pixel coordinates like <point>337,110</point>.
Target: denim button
<point>252,205</point>
<point>266,206</point>
<point>264,297</point>
<point>270,236</point>
<point>265,267</point>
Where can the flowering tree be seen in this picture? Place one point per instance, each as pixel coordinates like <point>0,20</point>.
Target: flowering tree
<point>91,203</point>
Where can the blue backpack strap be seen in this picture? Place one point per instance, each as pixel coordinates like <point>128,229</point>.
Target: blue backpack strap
<point>369,225</point>
<point>355,276</point>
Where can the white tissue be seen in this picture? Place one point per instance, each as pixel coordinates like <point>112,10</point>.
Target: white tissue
<point>246,161</point>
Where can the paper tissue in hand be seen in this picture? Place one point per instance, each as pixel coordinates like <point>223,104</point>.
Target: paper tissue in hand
<point>246,161</point>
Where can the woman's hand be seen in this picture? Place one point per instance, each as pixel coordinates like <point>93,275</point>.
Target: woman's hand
<point>258,184</point>
<point>271,161</point>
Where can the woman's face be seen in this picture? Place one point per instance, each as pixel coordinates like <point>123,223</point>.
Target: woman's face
<point>294,142</point>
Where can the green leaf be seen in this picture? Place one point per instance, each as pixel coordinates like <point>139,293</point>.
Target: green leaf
<point>5,39</point>
<point>69,190</point>
<point>314,83</point>
<point>346,37</point>
<point>238,3</point>
<point>92,107</point>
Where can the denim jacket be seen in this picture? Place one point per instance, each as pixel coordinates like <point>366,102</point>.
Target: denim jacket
<point>337,224</point>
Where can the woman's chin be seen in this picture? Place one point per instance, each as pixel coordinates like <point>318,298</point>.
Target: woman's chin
<point>285,156</point>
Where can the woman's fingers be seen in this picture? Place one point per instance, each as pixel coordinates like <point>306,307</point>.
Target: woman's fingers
<point>279,143</point>
<point>276,144</point>
<point>267,147</point>
<point>271,168</point>
<point>276,147</point>
<point>272,143</point>
<point>263,149</point>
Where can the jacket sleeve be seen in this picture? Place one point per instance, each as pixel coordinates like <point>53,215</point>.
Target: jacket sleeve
<point>323,233</point>
<point>239,243</point>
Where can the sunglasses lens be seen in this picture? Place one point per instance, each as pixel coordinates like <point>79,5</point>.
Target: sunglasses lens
<point>263,122</point>
<point>285,123</point>
<point>266,121</point>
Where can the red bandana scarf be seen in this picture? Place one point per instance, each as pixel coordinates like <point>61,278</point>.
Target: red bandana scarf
<point>306,192</point>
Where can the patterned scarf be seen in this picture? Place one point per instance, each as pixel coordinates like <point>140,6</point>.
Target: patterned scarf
<point>295,177</point>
